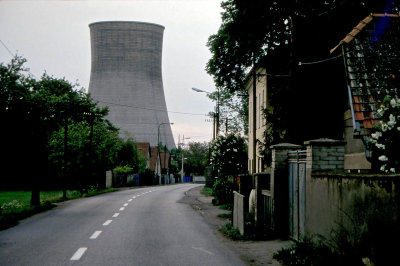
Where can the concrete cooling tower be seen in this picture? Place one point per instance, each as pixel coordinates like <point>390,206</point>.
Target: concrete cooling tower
<point>126,76</point>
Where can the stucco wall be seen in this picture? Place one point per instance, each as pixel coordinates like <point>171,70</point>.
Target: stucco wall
<point>331,199</point>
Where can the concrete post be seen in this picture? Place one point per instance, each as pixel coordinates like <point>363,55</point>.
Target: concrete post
<point>279,186</point>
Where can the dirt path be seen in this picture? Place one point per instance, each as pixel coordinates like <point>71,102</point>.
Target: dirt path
<point>251,252</point>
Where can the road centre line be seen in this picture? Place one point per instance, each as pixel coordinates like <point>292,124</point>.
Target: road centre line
<point>95,235</point>
<point>116,214</point>
<point>130,200</point>
<point>121,209</point>
<point>107,222</point>
<point>125,204</point>
<point>78,254</point>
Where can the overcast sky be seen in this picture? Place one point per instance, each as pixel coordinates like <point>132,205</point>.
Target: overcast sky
<point>54,37</point>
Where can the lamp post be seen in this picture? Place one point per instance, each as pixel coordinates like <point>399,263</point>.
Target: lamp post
<point>216,115</point>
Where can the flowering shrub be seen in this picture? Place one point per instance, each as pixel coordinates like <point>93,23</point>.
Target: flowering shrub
<point>386,137</point>
<point>229,155</point>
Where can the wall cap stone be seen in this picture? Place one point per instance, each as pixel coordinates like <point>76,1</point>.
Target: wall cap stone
<point>345,174</point>
<point>325,142</point>
<point>286,146</point>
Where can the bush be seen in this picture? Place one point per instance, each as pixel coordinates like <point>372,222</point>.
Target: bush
<point>307,252</point>
<point>232,232</point>
<point>386,138</point>
<point>223,191</point>
<point>147,177</point>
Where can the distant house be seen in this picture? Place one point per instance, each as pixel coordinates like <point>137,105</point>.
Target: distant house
<point>371,54</point>
<point>165,159</point>
<point>154,160</point>
<point>144,151</point>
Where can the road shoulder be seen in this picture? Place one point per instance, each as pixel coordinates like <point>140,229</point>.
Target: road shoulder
<point>251,252</point>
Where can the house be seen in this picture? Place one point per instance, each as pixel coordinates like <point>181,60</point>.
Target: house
<point>310,189</point>
<point>144,151</point>
<point>165,161</point>
<point>154,160</point>
<point>255,160</point>
<point>371,55</point>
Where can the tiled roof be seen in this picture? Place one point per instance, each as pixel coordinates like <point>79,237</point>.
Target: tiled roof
<point>372,62</point>
<point>164,159</point>
<point>153,158</point>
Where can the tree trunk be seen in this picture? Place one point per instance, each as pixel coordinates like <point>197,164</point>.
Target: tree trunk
<point>35,196</point>
<point>65,161</point>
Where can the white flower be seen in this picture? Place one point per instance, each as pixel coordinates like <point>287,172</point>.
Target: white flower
<point>393,102</point>
<point>383,158</point>
<point>383,167</point>
<point>376,135</point>
<point>380,111</point>
<point>384,126</point>
<point>398,128</point>
<point>392,170</point>
<point>380,146</point>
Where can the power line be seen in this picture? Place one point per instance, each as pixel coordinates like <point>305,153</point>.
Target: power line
<point>320,61</point>
<point>151,109</point>
<point>6,48</point>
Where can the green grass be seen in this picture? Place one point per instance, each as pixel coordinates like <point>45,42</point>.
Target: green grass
<point>225,215</point>
<point>207,191</point>
<point>232,232</point>
<point>15,205</point>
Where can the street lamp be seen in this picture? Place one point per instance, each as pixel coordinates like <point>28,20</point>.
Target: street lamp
<point>216,115</point>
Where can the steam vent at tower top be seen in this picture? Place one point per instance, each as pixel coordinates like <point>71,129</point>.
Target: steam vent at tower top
<point>126,76</point>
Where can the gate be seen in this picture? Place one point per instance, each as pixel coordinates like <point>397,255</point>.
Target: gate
<point>297,193</point>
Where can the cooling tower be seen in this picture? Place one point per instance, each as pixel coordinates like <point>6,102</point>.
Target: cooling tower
<point>126,76</point>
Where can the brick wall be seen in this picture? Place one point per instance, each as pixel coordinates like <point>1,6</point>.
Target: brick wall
<point>325,154</point>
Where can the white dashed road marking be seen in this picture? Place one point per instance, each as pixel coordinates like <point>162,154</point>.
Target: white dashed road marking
<point>78,254</point>
<point>95,235</point>
<point>126,204</point>
<point>121,209</point>
<point>130,200</point>
<point>107,222</point>
<point>116,214</point>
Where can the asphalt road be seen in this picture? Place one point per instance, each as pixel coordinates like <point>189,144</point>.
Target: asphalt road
<point>146,226</point>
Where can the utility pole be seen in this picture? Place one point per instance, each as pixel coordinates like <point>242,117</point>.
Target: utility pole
<point>254,120</point>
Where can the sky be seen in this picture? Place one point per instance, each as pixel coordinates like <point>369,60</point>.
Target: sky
<point>54,37</point>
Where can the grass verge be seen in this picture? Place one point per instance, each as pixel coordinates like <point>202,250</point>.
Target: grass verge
<point>15,205</point>
<point>207,191</point>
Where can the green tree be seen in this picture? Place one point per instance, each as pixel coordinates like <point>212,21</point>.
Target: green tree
<point>229,155</point>
<point>196,155</point>
<point>15,135</point>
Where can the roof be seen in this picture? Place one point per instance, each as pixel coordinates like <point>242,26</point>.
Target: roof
<point>371,54</point>
<point>360,26</point>
<point>153,158</point>
<point>164,159</point>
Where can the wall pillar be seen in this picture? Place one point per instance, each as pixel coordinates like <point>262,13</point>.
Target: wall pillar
<point>279,186</point>
<point>322,155</point>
